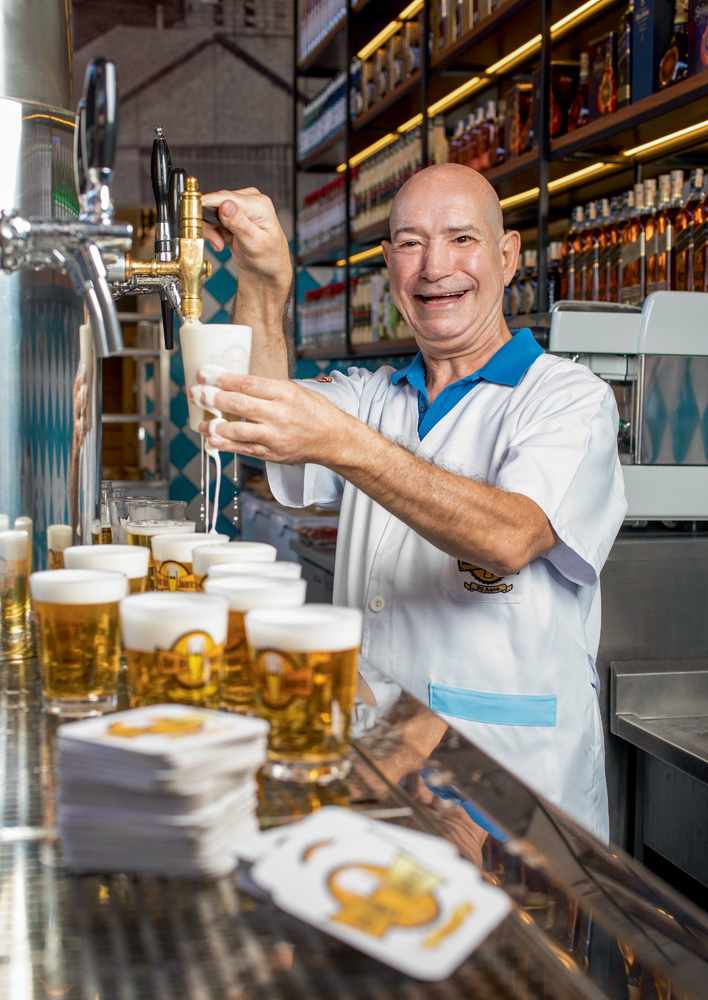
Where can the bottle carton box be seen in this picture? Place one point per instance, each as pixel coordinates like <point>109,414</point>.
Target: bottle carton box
<point>519,118</point>
<point>602,83</point>
<point>651,33</point>
<point>697,35</point>
<point>564,85</point>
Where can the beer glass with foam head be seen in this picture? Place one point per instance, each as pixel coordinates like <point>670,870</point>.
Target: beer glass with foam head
<point>78,638</point>
<point>59,538</point>
<point>157,510</point>
<point>210,555</point>
<point>172,556</point>
<point>142,532</point>
<point>14,571</point>
<point>226,345</point>
<point>173,646</point>
<point>244,593</point>
<point>119,511</point>
<point>280,569</point>
<point>305,670</point>
<point>130,560</point>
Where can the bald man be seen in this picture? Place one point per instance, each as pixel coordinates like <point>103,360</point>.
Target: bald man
<point>480,488</point>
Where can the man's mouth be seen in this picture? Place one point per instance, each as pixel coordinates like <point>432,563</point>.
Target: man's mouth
<point>440,299</point>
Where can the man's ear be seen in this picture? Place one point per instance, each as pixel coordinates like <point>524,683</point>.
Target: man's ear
<point>509,246</point>
<point>386,247</point>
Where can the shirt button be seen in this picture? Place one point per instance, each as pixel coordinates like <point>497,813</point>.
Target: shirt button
<point>421,409</point>
<point>377,604</point>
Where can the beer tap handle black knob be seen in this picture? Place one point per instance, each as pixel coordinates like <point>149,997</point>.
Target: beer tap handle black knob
<point>79,144</point>
<point>101,101</point>
<point>160,168</point>
<point>178,179</point>
<point>168,324</point>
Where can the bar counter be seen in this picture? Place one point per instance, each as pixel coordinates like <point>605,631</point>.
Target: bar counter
<point>587,921</point>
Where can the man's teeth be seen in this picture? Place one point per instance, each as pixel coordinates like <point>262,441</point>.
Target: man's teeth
<point>447,295</point>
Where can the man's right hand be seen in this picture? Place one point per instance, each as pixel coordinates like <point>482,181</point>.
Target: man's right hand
<point>251,229</point>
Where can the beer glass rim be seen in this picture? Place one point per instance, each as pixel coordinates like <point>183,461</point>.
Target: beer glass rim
<point>158,527</point>
<point>131,560</point>
<point>78,586</point>
<point>167,546</point>
<point>266,570</point>
<point>309,628</point>
<point>147,604</point>
<point>14,543</point>
<point>245,593</point>
<point>229,552</point>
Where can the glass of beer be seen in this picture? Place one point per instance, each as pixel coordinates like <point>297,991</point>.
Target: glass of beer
<point>230,552</point>
<point>78,638</point>
<point>244,593</point>
<point>156,510</point>
<point>172,555</point>
<point>173,646</point>
<point>14,571</point>
<point>280,569</point>
<point>59,538</point>
<point>304,670</point>
<point>142,532</point>
<point>130,560</point>
<point>118,512</point>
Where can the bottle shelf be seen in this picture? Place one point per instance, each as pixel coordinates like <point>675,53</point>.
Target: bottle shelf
<point>329,56</point>
<point>371,235</point>
<point>388,113</point>
<point>328,155</point>
<point>324,255</point>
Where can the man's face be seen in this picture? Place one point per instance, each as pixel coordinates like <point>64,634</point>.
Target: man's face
<point>448,264</point>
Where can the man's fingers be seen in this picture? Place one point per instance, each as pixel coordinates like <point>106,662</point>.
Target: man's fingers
<point>250,385</point>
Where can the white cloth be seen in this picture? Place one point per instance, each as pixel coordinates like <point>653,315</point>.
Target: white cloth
<point>509,663</point>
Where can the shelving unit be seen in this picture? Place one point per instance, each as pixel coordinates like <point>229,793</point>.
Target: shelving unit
<point>538,188</point>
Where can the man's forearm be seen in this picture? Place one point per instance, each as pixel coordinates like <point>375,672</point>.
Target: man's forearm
<point>266,310</point>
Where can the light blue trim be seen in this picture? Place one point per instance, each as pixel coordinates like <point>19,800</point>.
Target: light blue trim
<point>497,709</point>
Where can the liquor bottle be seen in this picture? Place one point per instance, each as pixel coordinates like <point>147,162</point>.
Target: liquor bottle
<point>488,137</point>
<point>633,254</point>
<point>648,219</point>
<point>700,245</point>
<point>464,153</point>
<point>674,64</point>
<point>554,273</point>
<point>624,57</point>
<point>686,234</point>
<point>664,235</point>
<point>578,112</point>
<point>456,142</point>
<point>499,156</point>
<point>604,238</point>
<point>681,262</point>
<point>590,264</point>
<point>607,92</point>
<point>571,252</point>
<point>475,139</point>
<point>613,250</point>
<point>529,283</point>
<point>515,292</point>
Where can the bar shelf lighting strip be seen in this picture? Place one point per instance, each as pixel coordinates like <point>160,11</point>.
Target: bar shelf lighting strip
<point>477,83</point>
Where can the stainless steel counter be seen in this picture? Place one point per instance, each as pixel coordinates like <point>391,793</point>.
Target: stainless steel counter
<point>140,938</point>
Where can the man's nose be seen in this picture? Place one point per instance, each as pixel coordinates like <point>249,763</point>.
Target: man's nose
<point>437,261</point>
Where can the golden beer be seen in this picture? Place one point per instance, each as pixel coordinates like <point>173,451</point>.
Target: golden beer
<point>244,593</point>
<point>130,560</point>
<point>174,645</point>
<point>142,532</point>
<point>304,669</point>
<point>172,556</point>
<point>59,537</point>
<point>14,593</point>
<point>78,638</point>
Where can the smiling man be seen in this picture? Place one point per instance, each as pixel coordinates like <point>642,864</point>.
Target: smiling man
<point>480,488</point>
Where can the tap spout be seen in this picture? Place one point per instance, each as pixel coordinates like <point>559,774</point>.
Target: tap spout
<point>88,273</point>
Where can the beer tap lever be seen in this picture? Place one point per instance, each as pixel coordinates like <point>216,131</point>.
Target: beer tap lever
<point>160,170</point>
<point>79,163</point>
<point>99,140</point>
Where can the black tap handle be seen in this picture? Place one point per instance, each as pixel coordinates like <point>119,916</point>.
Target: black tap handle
<point>168,324</point>
<point>79,142</point>
<point>178,179</point>
<point>101,101</point>
<point>160,168</point>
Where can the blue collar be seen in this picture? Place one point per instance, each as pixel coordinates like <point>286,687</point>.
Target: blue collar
<point>507,367</point>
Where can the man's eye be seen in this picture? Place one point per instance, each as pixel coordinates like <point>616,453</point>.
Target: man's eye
<point>463,239</point>
<point>410,243</point>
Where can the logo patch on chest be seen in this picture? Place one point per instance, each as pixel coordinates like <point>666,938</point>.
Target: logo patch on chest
<point>482,580</point>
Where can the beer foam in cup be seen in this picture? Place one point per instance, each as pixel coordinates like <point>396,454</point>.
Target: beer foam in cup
<point>180,547</point>
<point>77,586</point>
<point>245,593</point>
<point>160,527</point>
<point>232,552</point>
<point>280,569</point>
<point>158,619</point>
<point>14,544</point>
<point>4,522</point>
<point>60,537</point>
<point>311,628</point>
<point>227,345</point>
<point>131,560</point>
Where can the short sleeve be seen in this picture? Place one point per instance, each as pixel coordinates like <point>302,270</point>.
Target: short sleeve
<point>302,485</point>
<point>564,458</point>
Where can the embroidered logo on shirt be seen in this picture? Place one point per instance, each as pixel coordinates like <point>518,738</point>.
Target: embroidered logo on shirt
<point>320,378</point>
<point>483,581</point>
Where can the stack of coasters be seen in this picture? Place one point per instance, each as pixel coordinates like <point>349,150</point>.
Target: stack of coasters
<point>164,789</point>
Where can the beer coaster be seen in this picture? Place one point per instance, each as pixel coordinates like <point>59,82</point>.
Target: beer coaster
<point>410,904</point>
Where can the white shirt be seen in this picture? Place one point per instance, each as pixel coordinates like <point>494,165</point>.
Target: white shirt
<point>508,662</point>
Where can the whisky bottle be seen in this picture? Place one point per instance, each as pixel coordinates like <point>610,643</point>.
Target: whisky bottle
<point>578,112</point>
<point>700,244</point>
<point>590,264</point>
<point>554,274</point>
<point>499,155</point>
<point>649,223</point>
<point>605,247</point>
<point>674,64</point>
<point>456,142</point>
<point>681,278</point>
<point>475,137</point>
<point>529,282</point>
<point>464,154</point>
<point>607,91</point>
<point>571,252</point>
<point>488,137</point>
<point>664,235</point>
<point>633,254</point>
<point>613,250</point>
<point>624,57</point>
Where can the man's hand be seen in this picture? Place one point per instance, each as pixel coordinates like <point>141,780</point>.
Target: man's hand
<point>284,422</point>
